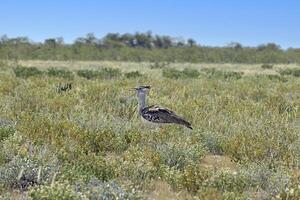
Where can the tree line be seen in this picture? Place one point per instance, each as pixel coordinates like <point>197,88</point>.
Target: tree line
<point>142,47</point>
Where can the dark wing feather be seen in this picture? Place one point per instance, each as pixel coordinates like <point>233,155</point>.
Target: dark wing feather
<point>158,114</point>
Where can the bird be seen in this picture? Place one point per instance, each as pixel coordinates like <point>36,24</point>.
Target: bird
<point>157,114</point>
<point>64,87</point>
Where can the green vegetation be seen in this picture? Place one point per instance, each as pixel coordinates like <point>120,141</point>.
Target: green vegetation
<point>26,72</point>
<point>215,73</point>
<point>105,73</point>
<point>60,73</point>
<point>89,143</point>
<point>176,74</point>
<point>291,72</point>
<point>267,66</point>
<point>134,74</point>
<point>142,47</point>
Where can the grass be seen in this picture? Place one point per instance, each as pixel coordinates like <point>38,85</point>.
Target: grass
<point>89,142</point>
<point>292,72</point>
<point>267,66</point>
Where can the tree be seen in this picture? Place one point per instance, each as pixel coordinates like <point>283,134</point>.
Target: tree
<point>269,46</point>
<point>60,40</point>
<point>143,40</point>
<point>51,42</point>
<point>4,39</point>
<point>191,42</point>
<point>167,41</point>
<point>235,45</point>
<point>91,39</point>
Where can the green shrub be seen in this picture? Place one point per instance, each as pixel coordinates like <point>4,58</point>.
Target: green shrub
<point>108,73</point>
<point>21,173</point>
<point>98,190</point>
<point>172,73</point>
<point>62,73</point>
<point>3,64</point>
<point>25,72</point>
<point>105,73</point>
<point>134,74</point>
<point>228,181</point>
<point>190,73</point>
<point>292,72</point>
<point>5,132</point>
<point>178,155</point>
<point>276,77</point>
<point>273,181</point>
<point>194,176</point>
<point>176,74</point>
<point>158,65</point>
<point>144,157</point>
<point>88,166</point>
<point>55,191</point>
<point>214,73</point>
<point>88,74</point>
<point>207,193</point>
<point>267,66</point>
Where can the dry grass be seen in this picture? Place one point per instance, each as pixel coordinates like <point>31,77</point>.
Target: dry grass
<point>144,67</point>
<point>245,141</point>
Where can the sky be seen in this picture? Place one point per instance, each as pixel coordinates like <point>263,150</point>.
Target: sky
<point>209,22</point>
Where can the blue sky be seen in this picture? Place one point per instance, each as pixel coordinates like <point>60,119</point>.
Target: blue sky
<point>210,22</point>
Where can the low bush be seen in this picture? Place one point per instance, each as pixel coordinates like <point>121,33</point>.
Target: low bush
<point>190,73</point>
<point>267,66</point>
<point>62,73</point>
<point>134,74</point>
<point>3,64</point>
<point>276,77</point>
<point>20,173</point>
<point>88,74</point>
<point>176,74</point>
<point>228,181</point>
<point>172,73</point>
<point>214,73</point>
<point>99,190</point>
<point>158,65</point>
<point>55,191</point>
<point>292,72</point>
<point>105,73</point>
<point>5,132</point>
<point>178,155</point>
<point>25,72</point>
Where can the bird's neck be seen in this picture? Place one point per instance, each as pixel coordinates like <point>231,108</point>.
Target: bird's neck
<point>142,101</point>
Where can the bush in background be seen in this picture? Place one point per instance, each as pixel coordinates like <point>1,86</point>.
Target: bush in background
<point>105,73</point>
<point>62,73</point>
<point>267,66</point>
<point>25,72</point>
<point>292,72</point>
<point>214,73</point>
<point>177,74</point>
<point>134,74</point>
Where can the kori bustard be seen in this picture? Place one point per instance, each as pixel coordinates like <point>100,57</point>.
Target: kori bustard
<point>157,114</point>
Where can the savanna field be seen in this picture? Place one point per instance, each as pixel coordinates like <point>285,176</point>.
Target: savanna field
<point>70,130</point>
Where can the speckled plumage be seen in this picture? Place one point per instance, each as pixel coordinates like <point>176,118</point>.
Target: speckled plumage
<point>157,114</point>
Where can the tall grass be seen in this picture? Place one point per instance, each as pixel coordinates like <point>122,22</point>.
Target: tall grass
<point>62,142</point>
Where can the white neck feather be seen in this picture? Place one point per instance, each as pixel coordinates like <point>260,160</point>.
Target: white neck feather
<point>141,100</point>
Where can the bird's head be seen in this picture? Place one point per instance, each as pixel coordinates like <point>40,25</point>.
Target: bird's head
<point>142,88</point>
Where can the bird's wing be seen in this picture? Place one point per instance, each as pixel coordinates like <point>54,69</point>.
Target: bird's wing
<point>159,114</point>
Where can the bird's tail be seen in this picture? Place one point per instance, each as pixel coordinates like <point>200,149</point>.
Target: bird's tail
<point>188,124</point>
<point>184,122</point>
